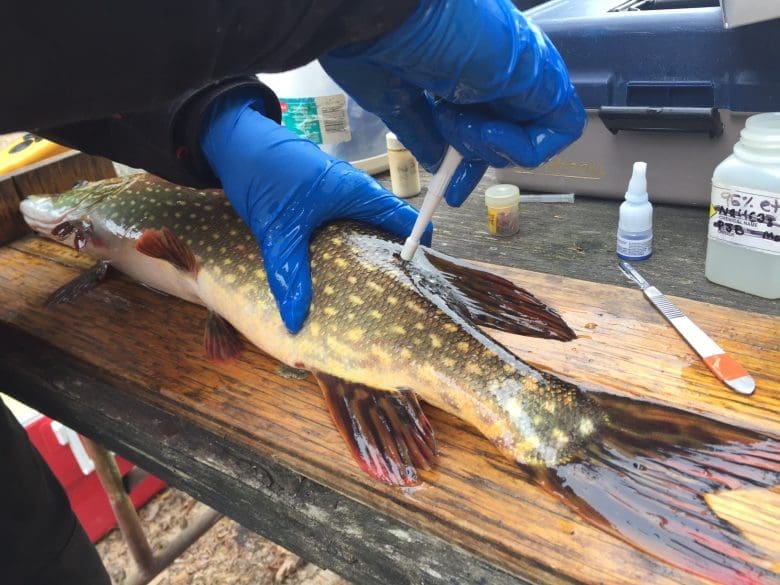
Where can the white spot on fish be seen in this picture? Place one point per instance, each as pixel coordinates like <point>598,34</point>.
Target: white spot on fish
<point>355,334</point>
<point>586,427</point>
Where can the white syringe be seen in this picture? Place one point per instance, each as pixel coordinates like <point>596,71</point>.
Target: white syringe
<point>436,189</point>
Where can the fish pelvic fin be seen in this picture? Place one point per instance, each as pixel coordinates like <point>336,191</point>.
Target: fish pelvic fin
<point>84,282</point>
<point>490,300</point>
<point>646,483</point>
<point>387,432</point>
<point>165,245</point>
<point>221,340</point>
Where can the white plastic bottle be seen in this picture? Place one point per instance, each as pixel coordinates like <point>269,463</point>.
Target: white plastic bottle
<point>635,224</point>
<point>743,235</point>
<point>315,107</point>
<point>404,170</point>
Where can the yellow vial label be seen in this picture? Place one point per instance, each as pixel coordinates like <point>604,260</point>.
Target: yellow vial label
<point>492,215</point>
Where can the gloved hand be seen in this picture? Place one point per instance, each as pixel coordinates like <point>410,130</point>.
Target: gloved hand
<point>284,187</point>
<point>471,73</point>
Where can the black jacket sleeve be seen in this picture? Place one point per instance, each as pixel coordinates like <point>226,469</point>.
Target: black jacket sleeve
<point>132,80</point>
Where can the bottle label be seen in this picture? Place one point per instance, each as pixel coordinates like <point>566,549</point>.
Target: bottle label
<point>745,217</point>
<point>634,247</point>
<point>323,120</point>
<point>503,221</point>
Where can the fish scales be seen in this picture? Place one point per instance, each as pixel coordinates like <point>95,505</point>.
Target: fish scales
<point>368,322</point>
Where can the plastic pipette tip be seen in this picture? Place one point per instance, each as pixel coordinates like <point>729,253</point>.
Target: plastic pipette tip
<point>436,189</point>
<point>410,247</point>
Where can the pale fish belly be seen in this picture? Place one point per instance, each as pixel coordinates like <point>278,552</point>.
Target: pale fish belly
<point>158,274</point>
<point>255,315</point>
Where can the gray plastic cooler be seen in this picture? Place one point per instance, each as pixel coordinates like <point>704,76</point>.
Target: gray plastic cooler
<point>663,82</point>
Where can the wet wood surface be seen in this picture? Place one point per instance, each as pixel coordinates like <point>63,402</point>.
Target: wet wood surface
<point>124,365</point>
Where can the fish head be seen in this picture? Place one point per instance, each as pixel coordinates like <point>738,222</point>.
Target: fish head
<point>46,213</point>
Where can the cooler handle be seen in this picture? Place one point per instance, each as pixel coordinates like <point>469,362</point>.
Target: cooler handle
<point>644,119</point>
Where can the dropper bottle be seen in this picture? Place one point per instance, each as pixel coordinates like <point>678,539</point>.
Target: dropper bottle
<point>635,225</point>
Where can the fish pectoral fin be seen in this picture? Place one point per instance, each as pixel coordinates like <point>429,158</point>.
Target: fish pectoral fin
<point>84,282</point>
<point>221,340</point>
<point>387,431</point>
<point>80,229</point>
<point>165,245</point>
<point>493,301</point>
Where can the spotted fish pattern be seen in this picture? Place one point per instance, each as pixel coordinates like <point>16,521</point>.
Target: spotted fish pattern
<point>369,322</point>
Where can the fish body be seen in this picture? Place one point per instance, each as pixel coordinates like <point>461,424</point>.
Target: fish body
<point>370,321</point>
<point>381,332</point>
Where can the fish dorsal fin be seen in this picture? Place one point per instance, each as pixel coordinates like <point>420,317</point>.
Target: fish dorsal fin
<point>165,245</point>
<point>489,300</point>
<point>387,431</point>
<point>221,340</point>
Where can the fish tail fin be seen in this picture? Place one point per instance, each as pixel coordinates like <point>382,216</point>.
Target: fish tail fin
<point>649,485</point>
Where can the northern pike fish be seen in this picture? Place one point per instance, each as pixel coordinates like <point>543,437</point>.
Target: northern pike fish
<point>382,332</point>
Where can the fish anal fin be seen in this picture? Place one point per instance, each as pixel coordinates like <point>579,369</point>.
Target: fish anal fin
<point>221,340</point>
<point>386,431</point>
<point>165,245</point>
<point>493,301</point>
<point>84,282</point>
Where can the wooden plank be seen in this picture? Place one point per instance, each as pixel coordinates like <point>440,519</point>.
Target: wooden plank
<point>63,174</point>
<point>12,225</point>
<point>143,350</point>
<point>738,506</point>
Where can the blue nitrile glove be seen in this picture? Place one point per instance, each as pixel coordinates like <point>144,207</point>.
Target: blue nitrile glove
<point>471,73</point>
<point>284,187</point>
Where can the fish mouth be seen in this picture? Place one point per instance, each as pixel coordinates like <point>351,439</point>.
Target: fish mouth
<point>40,213</point>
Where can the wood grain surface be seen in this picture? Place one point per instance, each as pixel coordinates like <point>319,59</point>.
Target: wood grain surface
<point>143,346</point>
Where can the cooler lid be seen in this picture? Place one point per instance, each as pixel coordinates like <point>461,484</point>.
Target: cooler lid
<point>741,12</point>
<point>665,53</point>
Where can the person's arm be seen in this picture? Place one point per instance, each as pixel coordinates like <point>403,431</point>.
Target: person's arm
<point>165,141</point>
<point>128,81</point>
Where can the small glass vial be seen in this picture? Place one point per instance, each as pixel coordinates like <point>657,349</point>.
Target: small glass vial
<point>404,170</point>
<point>743,234</point>
<point>503,209</point>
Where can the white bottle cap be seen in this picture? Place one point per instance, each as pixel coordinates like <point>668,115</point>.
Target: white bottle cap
<point>502,195</point>
<point>393,143</point>
<point>636,212</point>
<point>637,186</point>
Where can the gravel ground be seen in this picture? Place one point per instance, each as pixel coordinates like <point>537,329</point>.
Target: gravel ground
<point>227,554</point>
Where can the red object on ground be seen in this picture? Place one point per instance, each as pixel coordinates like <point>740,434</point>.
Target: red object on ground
<point>85,492</point>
